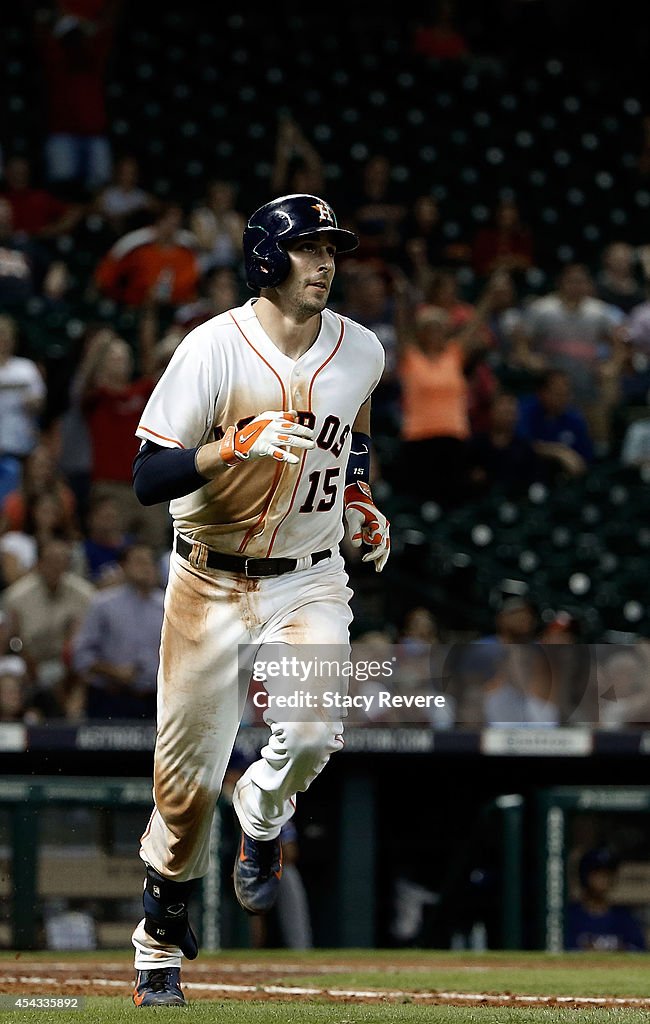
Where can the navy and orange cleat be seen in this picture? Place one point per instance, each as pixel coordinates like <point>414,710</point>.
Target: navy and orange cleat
<point>257,873</point>
<point>159,987</point>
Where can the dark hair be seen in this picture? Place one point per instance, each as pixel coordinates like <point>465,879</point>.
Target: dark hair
<point>551,374</point>
<point>601,858</point>
<point>134,545</point>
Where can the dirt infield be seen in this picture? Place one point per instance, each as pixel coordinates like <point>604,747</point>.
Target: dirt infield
<point>239,980</point>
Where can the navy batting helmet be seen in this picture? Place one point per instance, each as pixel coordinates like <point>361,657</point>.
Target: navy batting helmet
<point>273,225</point>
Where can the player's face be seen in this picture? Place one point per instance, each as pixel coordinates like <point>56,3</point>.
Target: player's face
<point>308,285</point>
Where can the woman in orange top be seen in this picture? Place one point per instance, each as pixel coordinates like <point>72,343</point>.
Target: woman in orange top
<point>432,363</point>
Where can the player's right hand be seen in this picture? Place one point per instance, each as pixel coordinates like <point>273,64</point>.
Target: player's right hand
<point>270,433</point>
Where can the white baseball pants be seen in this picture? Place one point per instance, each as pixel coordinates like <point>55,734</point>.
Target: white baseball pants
<point>208,614</point>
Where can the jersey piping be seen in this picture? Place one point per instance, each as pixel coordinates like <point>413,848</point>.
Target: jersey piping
<point>302,464</point>
<point>162,437</point>
<point>276,478</point>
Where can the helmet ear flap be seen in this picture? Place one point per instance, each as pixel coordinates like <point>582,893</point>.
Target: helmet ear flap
<point>267,263</point>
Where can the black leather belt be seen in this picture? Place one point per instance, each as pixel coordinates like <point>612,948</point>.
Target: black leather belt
<point>254,568</point>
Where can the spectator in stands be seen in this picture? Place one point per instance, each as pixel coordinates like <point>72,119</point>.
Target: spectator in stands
<point>561,638</point>
<point>443,291</point>
<point>516,683</point>
<point>156,263</point>
<point>27,267</point>
<point>112,399</point>
<point>494,692</point>
<point>367,297</point>
<point>482,385</point>
<point>55,291</point>
<point>435,426</point>
<point>439,37</point>
<point>75,44</point>
<point>435,414</point>
<point>11,660</point>
<point>16,693</point>
<point>418,671</point>
<point>516,621</point>
<point>504,244</point>
<point>297,166</point>
<point>577,333</point>
<point>617,282</point>
<point>636,327</point>
<point>509,354</point>
<point>499,456</point>
<point>562,628</point>
<point>377,210</point>
<point>219,291</point>
<point>44,608</point>
<point>513,702</point>
<point>418,630</point>
<point>105,542</point>
<point>218,227</point>
<point>16,556</point>
<point>423,246</point>
<point>115,650</point>
<point>22,395</point>
<point>122,202</point>
<point>633,382</point>
<point>47,519</point>
<point>20,273</point>
<point>556,428</point>
<point>635,445</point>
<point>624,687</point>
<point>15,701</point>
<point>75,456</point>
<point>40,476</point>
<point>37,213</point>
<point>593,921</point>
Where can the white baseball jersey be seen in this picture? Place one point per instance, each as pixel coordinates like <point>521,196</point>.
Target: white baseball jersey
<point>227,371</point>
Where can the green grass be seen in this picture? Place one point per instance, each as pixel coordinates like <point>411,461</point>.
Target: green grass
<point>631,978</point>
<point>407,970</point>
<point>111,1011</point>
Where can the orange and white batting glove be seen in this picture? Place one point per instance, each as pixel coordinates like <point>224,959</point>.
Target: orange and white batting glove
<point>270,433</point>
<point>366,524</point>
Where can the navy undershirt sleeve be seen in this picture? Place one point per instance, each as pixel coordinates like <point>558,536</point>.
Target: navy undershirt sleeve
<point>358,467</point>
<point>162,474</point>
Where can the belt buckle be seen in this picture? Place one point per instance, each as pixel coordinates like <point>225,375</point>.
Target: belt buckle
<point>253,575</point>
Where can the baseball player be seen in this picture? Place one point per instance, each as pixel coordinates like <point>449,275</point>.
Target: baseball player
<point>258,434</point>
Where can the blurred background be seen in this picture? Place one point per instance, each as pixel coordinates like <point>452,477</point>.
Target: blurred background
<point>494,159</point>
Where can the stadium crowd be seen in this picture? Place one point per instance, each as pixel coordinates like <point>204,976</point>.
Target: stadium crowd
<point>502,370</point>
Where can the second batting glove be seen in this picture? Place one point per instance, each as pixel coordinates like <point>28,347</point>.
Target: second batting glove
<point>366,524</point>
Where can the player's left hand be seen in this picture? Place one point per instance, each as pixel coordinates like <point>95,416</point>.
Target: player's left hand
<point>366,524</point>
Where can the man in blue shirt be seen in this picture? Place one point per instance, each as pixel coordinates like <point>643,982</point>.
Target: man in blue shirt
<point>116,648</point>
<point>593,922</point>
<point>556,428</point>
